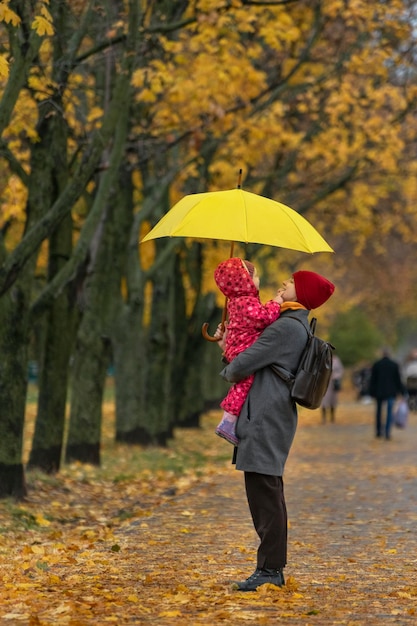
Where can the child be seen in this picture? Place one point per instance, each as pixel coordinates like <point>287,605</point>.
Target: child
<point>239,282</point>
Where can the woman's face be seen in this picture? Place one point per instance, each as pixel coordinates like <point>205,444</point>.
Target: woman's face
<point>287,291</point>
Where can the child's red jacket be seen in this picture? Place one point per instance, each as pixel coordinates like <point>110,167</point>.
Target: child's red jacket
<point>247,318</point>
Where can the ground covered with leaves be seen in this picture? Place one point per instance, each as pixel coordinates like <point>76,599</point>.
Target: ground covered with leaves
<point>158,536</point>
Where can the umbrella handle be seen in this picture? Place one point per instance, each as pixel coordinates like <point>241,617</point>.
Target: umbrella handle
<point>205,334</point>
<point>205,326</point>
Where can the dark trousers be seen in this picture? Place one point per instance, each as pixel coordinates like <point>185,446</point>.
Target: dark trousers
<point>266,501</point>
<point>379,421</point>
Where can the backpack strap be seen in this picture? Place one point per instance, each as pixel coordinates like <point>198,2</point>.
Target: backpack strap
<point>312,324</point>
<point>284,374</point>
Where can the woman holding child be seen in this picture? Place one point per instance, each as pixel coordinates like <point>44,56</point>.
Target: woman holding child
<point>268,419</point>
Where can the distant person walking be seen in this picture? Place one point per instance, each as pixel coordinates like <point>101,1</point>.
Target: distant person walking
<point>410,379</point>
<point>361,379</point>
<point>385,385</point>
<point>331,397</point>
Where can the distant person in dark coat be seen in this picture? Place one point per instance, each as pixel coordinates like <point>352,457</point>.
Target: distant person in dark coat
<point>385,385</point>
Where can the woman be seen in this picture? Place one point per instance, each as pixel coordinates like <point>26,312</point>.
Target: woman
<point>268,420</point>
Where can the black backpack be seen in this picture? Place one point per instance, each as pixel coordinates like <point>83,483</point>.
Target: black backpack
<point>311,380</point>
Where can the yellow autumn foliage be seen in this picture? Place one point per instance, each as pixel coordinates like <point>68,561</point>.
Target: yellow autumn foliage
<point>298,95</point>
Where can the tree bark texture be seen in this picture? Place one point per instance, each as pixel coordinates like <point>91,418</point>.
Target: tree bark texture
<point>13,385</point>
<point>92,353</point>
<point>46,452</point>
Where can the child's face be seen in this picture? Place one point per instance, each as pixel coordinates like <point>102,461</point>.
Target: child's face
<point>256,278</point>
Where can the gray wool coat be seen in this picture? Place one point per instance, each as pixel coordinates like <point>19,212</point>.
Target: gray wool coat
<point>268,420</point>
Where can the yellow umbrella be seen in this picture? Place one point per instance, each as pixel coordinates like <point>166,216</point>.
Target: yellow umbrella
<point>237,215</point>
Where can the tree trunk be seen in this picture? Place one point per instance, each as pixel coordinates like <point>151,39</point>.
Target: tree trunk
<point>92,351</point>
<point>14,327</point>
<point>130,364</point>
<point>92,355</point>
<point>89,376</point>
<point>143,372</point>
<point>13,385</point>
<point>195,376</point>
<point>46,452</point>
<point>133,355</point>
<point>14,305</point>
<point>161,345</point>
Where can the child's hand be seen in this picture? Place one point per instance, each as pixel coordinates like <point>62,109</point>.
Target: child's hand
<point>220,335</point>
<point>278,298</point>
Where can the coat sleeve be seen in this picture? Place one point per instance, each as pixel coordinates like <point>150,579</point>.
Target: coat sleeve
<point>280,344</point>
<point>251,312</point>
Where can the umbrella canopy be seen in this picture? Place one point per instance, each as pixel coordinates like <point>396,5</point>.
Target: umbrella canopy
<point>237,215</point>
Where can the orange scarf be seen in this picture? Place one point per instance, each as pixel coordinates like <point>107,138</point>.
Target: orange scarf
<point>292,306</point>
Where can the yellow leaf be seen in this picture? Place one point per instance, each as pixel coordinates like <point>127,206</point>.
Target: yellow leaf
<point>41,521</point>
<point>94,114</point>
<point>269,588</point>
<point>54,580</point>
<point>146,95</point>
<point>46,14</point>
<point>4,67</point>
<point>8,16</point>
<point>42,26</point>
<point>133,598</point>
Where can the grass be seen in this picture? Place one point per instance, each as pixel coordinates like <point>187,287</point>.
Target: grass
<point>119,462</point>
<point>189,451</point>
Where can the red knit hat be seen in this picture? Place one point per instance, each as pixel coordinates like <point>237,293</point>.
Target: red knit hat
<point>250,267</point>
<point>312,289</point>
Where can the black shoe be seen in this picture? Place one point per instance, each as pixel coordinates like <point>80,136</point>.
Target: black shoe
<point>261,577</point>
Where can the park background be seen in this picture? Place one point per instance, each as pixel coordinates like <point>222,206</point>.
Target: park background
<point>118,503</point>
<point>110,112</point>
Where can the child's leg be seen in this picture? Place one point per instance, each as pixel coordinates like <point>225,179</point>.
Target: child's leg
<point>227,428</point>
<point>232,405</point>
<point>236,396</point>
